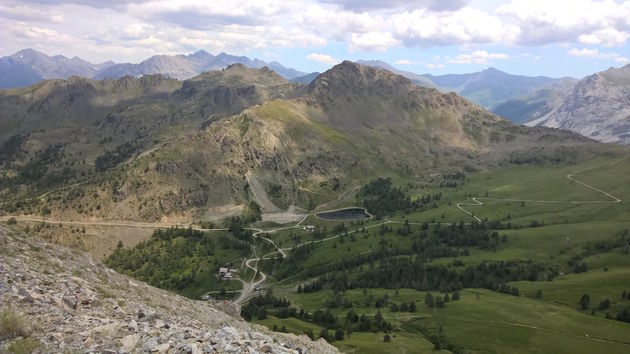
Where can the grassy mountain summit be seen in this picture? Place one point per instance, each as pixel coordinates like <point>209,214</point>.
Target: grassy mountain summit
<point>159,149</point>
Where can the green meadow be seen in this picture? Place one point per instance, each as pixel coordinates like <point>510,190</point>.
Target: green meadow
<point>549,219</point>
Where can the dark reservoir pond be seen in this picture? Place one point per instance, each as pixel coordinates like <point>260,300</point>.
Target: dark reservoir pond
<point>344,214</point>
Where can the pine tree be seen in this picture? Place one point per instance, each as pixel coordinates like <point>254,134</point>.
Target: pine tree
<point>428,300</point>
<point>339,335</point>
<point>324,334</point>
<point>603,305</point>
<point>585,301</point>
<point>378,317</point>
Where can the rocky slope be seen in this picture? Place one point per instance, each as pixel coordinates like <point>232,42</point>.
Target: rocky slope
<point>598,107</point>
<point>420,80</point>
<point>66,302</point>
<point>537,104</point>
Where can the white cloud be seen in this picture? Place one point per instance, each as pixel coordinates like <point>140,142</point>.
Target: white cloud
<point>431,66</point>
<point>322,58</point>
<point>23,12</point>
<point>372,41</point>
<point>240,26</point>
<point>481,57</point>
<point>434,66</point>
<point>364,5</point>
<point>41,34</point>
<point>608,37</point>
<point>586,21</point>
<point>137,29</point>
<point>595,53</point>
<point>467,25</point>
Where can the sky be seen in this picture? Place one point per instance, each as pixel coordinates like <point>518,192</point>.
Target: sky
<point>554,38</point>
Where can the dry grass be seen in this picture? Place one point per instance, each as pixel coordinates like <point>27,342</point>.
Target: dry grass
<point>12,325</point>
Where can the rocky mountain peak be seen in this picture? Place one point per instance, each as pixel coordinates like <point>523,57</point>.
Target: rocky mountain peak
<point>598,107</point>
<point>349,79</point>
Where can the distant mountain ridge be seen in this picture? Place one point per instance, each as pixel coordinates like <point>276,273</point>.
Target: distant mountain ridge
<point>598,107</point>
<point>490,87</point>
<point>539,103</point>
<point>421,80</point>
<point>29,66</point>
<point>184,67</point>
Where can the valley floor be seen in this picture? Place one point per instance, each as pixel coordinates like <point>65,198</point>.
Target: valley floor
<point>556,216</point>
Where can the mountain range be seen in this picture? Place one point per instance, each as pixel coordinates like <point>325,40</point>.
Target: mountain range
<point>597,106</point>
<point>153,147</point>
<point>565,103</point>
<point>29,66</point>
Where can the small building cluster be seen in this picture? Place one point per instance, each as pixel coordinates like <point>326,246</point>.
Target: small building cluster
<point>227,273</point>
<point>308,228</point>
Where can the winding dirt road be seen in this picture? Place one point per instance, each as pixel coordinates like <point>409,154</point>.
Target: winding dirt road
<point>476,201</point>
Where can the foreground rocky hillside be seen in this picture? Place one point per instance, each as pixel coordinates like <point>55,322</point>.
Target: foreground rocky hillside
<point>55,300</point>
<point>598,107</point>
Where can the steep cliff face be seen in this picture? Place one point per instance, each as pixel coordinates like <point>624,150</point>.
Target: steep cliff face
<point>598,107</point>
<point>62,301</point>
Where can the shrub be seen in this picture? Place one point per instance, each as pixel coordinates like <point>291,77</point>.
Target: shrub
<point>24,346</point>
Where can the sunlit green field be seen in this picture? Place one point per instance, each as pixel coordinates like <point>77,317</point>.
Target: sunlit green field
<point>570,217</point>
<point>481,321</point>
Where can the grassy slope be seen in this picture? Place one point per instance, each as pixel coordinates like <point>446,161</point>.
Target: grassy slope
<point>482,321</point>
<point>497,322</point>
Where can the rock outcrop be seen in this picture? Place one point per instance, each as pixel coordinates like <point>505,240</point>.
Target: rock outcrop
<point>598,107</point>
<point>69,302</point>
